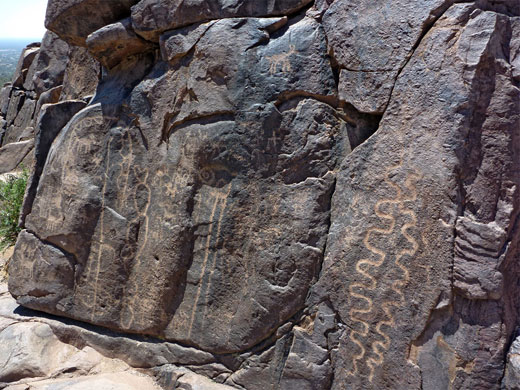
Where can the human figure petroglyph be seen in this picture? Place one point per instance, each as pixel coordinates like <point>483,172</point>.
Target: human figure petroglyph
<point>273,142</point>
<point>362,292</point>
<point>282,59</point>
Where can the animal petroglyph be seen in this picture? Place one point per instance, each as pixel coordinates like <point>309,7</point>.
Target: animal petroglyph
<point>391,211</point>
<point>281,61</point>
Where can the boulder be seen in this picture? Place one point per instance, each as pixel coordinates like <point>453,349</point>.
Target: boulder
<point>81,76</point>
<point>21,122</point>
<point>417,252</point>
<point>48,97</point>
<point>48,68</point>
<point>512,373</point>
<point>206,140</point>
<point>15,104</point>
<point>25,61</point>
<point>12,154</point>
<point>46,353</point>
<point>115,42</point>
<point>74,20</point>
<point>32,355</point>
<point>150,18</point>
<point>5,94</point>
<point>51,119</point>
<point>380,42</point>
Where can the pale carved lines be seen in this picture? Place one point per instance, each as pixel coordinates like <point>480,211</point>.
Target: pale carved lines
<point>73,146</point>
<point>101,237</point>
<point>356,311</point>
<point>142,176</point>
<point>126,163</point>
<point>281,59</point>
<point>361,291</point>
<point>219,197</point>
<point>129,167</point>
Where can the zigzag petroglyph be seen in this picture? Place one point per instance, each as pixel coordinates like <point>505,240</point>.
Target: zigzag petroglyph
<point>363,293</point>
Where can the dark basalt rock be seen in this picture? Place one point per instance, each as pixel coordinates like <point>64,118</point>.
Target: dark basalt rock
<point>74,20</point>
<point>151,18</point>
<point>280,195</point>
<point>81,76</point>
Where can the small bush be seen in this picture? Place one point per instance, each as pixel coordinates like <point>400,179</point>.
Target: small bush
<point>11,198</point>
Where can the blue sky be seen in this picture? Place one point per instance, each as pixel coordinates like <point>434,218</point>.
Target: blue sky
<point>22,19</point>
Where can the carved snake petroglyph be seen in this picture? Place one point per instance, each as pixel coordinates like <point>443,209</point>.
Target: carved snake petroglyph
<point>361,291</point>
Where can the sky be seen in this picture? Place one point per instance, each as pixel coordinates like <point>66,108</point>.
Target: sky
<point>22,19</point>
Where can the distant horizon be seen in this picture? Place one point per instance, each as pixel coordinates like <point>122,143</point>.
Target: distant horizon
<point>16,43</point>
<point>36,39</point>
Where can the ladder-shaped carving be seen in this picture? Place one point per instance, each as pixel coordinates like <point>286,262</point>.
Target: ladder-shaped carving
<point>219,197</point>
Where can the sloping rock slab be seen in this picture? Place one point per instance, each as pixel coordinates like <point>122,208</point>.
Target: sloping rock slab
<point>11,155</point>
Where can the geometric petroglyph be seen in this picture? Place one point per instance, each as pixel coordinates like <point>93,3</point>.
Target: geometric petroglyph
<point>217,199</point>
<point>372,343</point>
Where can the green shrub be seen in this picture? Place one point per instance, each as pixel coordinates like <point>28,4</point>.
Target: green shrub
<point>11,198</point>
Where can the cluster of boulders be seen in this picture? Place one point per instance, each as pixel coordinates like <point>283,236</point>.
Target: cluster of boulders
<point>287,194</point>
<point>47,73</point>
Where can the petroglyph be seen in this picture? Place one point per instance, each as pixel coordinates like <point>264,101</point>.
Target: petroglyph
<point>75,146</point>
<point>133,202</point>
<point>273,142</point>
<point>94,267</point>
<point>364,292</point>
<point>143,220</point>
<point>281,61</point>
<point>217,198</point>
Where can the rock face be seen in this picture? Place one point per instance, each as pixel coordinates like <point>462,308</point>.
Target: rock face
<point>283,195</point>
<point>43,353</point>
<point>152,17</point>
<point>46,73</point>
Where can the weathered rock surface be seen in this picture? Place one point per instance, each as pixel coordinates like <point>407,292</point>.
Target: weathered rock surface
<point>50,121</point>
<point>414,245</point>
<point>150,18</point>
<point>203,154</point>
<point>49,66</point>
<point>74,20</point>
<point>81,75</point>
<point>512,373</point>
<point>278,195</point>
<point>45,74</point>
<point>44,353</point>
<point>11,155</point>
<point>372,43</point>
<point>117,41</point>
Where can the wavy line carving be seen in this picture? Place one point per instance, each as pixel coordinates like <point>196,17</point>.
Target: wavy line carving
<point>371,352</point>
